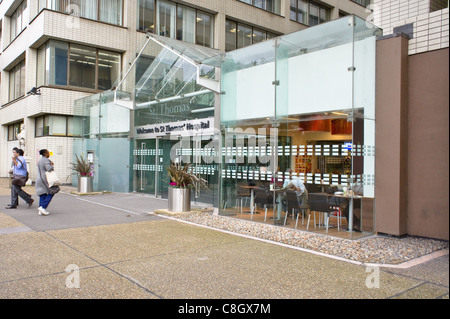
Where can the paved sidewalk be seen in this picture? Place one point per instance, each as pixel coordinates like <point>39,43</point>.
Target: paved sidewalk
<point>112,246</point>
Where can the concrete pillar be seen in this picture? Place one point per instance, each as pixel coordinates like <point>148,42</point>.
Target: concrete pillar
<point>391,136</point>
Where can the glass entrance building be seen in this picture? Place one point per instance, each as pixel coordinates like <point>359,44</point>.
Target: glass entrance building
<point>250,121</point>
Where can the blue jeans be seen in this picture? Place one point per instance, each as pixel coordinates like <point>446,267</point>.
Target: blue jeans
<point>44,200</point>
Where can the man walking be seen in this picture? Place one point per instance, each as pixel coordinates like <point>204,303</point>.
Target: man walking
<point>20,175</point>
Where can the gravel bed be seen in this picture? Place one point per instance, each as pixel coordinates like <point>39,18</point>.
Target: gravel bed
<point>374,249</point>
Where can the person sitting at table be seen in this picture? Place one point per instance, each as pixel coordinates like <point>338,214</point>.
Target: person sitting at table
<point>296,181</point>
<point>298,192</point>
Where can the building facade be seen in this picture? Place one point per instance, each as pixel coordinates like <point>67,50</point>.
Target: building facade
<point>68,50</point>
<point>120,81</point>
<point>250,119</point>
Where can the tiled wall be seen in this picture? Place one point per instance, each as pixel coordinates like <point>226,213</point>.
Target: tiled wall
<point>431,26</point>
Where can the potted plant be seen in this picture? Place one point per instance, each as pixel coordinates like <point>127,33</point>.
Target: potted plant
<point>182,180</point>
<point>84,170</point>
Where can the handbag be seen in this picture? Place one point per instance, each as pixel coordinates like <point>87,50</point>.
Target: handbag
<point>26,177</point>
<point>53,190</point>
<point>52,179</point>
<point>19,180</point>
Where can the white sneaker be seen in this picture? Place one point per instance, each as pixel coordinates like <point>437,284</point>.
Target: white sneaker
<point>42,211</point>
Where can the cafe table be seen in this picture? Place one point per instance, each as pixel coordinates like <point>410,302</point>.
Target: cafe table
<point>252,198</point>
<point>279,192</point>
<point>350,206</point>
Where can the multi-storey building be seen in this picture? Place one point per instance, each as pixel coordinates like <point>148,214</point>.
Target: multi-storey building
<point>426,22</point>
<point>55,52</point>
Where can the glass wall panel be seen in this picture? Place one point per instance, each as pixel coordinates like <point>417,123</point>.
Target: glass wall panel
<point>363,152</point>
<point>102,128</point>
<point>173,117</point>
<point>300,96</point>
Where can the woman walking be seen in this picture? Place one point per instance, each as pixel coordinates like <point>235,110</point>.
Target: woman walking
<point>42,188</point>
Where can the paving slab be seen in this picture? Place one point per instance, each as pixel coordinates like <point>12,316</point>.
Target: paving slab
<point>70,211</point>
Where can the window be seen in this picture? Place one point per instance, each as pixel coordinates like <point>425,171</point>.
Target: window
<point>82,66</point>
<point>109,11</point>
<point>54,125</point>
<point>165,19</point>
<point>57,61</point>
<point>436,5</point>
<point>17,81</point>
<point>364,3</point>
<point>186,24</point>
<point>308,13</point>
<point>19,20</point>
<point>13,131</point>
<point>72,65</point>
<point>244,35</point>
<point>108,69</point>
<point>230,35</point>
<point>268,5</point>
<point>204,32</point>
<point>176,21</point>
<point>146,15</point>
<point>313,14</point>
<point>40,72</point>
<point>238,35</point>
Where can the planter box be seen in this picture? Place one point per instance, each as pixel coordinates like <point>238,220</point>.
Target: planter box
<point>179,199</point>
<point>85,184</point>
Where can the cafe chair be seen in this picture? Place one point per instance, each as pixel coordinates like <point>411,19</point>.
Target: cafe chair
<point>319,203</point>
<point>336,204</point>
<point>292,204</point>
<point>262,198</point>
<point>304,207</point>
<point>243,195</point>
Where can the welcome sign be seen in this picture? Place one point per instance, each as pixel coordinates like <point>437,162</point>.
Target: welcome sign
<point>183,128</point>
